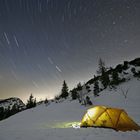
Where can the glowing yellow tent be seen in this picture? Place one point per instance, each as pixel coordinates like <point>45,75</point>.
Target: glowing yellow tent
<point>101,116</point>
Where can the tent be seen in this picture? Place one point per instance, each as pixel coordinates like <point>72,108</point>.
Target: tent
<point>107,117</point>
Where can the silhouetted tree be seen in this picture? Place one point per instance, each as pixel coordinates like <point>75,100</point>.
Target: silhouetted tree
<point>57,97</point>
<point>102,71</point>
<point>133,70</point>
<point>101,67</point>
<point>74,94</point>
<point>96,89</point>
<point>105,79</point>
<point>80,94</point>
<point>79,87</point>
<point>115,78</point>
<point>31,102</point>
<point>64,91</point>
<point>119,68</point>
<point>2,113</point>
<point>125,65</point>
<point>46,101</point>
<point>14,109</point>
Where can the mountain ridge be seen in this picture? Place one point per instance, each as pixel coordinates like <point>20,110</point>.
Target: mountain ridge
<point>10,106</point>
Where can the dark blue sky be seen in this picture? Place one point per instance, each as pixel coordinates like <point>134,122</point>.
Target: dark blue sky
<point>43,42</point>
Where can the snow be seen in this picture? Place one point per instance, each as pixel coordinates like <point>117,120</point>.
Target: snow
<point>10,102</point>
<point>54,122</point>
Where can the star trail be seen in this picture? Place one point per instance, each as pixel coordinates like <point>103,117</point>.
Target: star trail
<point>43,42</point>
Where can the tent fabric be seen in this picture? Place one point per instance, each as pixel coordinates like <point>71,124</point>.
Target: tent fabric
<point>107,117</point>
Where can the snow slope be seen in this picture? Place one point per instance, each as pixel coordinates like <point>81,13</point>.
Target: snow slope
<point>54,122</point>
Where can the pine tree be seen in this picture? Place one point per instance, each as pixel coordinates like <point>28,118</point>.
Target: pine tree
<point>96,88</point>
<point>105,79</point>
<point>31,102</point>
<point>64,91</point>
<point>102,71</point>
<point>46,101</point>
<point>79,86</point>
<point>2,111</point>
<point>115,78</point>
<point>101,67</point>
<point>79,89</point>
<point>125,65</point>
<point>14,109</point>
<point>133,70</point>
<point>74,94</point>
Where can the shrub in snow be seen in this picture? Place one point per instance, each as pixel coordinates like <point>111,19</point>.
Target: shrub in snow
<point>88,101</point>
<point>119,68</point>
<point>46,102</point>
<point>125,65</point>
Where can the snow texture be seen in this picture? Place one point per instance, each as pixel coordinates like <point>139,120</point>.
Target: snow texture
<point>55,121</point>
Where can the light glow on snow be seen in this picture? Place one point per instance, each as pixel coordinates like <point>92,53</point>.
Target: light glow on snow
<point>63,125</point>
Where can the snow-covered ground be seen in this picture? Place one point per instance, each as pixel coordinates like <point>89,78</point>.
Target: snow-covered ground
<point>54,122</point>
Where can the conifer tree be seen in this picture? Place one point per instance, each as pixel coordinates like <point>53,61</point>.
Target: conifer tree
<point>115,78</point>
<point>96,89</point>
<point>64,91</point>
<point>105,79</point>
<point>46,101</point>
<point>74,94</point>
<point>14,109</point>
<point>31,102</point>
<point>101,67</point>
<point>2,111</point>
<point>79,89</point>
<point>102,71</point>
<point>79,86</point>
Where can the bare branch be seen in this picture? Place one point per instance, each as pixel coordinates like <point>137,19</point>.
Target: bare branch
<point>125,92</point>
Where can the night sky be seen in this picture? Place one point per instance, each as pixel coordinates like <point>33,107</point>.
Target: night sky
<point>43,42</point>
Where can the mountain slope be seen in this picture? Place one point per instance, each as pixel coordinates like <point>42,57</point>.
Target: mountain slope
<point>48,122</point>
<point>10,102</point>
<point>109,78</point>
<point>10,107</point>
